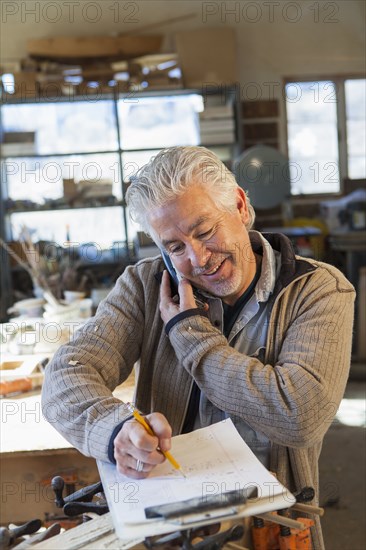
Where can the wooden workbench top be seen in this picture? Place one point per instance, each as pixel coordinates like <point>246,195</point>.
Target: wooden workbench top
<point>93,535</point>
<point>24,429</point>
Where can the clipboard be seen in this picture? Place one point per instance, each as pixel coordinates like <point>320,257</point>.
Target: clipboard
<point>224,480</point>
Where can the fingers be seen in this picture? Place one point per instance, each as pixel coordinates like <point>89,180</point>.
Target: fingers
<point>129,466</point>
<point>165,290</point>
<point>161,429</point>
<point>168,307</point>
<point>133,444</point>
<point>187,299</point>
<point>186,296</point>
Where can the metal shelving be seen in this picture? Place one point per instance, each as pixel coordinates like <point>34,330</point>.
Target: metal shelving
<point>119,151</point>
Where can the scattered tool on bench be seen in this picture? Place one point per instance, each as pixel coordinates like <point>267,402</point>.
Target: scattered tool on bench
<point>8,536</point>
<point>81,501</point>
<point>199,538</point>
<point>48,533</point>
<point>280,531</point>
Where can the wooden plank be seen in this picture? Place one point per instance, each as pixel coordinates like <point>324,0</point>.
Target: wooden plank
<point>25,482</point>
<point>101,46</point>
<point>93,47</point>
<point>23,427</point>
<point>93,535</point>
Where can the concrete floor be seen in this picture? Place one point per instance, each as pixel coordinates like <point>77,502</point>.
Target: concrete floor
<point>343,474</point>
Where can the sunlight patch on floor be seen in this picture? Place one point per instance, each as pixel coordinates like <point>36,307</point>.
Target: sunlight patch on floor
<point>352,412</point>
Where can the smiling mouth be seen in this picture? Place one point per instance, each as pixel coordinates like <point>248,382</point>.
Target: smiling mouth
<point>214,270</point>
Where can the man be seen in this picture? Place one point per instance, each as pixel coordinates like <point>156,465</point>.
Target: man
<point>268,344</point>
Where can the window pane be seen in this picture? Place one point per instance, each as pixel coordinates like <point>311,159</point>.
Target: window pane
<point>356,127</point>
<point>159,121</point>
<point>65,127</point>
<point>312,137</point>
<point>101,226</point>
<point>357,167</point>
<point>38,179</point>
<point>356,99</point>
<point>315,140</point>
<point>356,137</point>
<point>309,101</point>
<point>313,176</point>
<point>132,161</point>
<point>132,228</point>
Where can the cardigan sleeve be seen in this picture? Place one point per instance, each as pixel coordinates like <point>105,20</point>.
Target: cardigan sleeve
<point>294,394</point>
<point>77,392</point>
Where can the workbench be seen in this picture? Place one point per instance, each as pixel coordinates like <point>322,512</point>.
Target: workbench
<point>99,534</point>
<point>92,535</point>
<point>32,452</point>
<point>352,245</point>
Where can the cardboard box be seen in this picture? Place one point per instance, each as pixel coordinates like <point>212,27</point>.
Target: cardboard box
<point>207,56</point>
<point>19,137</point>
<point>70,188</point>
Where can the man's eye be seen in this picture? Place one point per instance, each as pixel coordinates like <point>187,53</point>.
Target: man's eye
<point>205,234</point>
<point>177,249</point>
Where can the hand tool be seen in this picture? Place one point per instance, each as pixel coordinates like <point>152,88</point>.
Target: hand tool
<point>8,536</point>
<point>79,502</point>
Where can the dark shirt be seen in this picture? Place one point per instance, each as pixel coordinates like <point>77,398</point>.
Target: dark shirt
<point>230,316</point>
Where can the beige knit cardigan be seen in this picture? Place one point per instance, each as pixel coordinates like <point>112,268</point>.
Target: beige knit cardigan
<point>291,397</point>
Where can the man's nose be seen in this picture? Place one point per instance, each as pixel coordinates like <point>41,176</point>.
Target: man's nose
<point>198,254</point>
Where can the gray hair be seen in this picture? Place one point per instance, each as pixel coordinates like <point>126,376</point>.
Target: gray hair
<point>171,172</point>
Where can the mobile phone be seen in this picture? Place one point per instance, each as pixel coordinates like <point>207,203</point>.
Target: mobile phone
<point>176,277</point>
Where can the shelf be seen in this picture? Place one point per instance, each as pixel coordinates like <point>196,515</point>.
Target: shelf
<point>62,207</point>
<point>113,152</point>
<point>50,155</point>
<point>115,95</point>
<point>122,169</point>
<point>211,145</point>
<point>92,98</point>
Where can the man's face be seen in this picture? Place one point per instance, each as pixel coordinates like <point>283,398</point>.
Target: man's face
<point>207,245</point>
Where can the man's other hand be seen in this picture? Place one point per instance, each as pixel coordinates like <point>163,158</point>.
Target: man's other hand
<point>134,444</point>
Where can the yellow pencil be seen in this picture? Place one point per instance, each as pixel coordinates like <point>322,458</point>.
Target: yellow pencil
<point>141,420</point>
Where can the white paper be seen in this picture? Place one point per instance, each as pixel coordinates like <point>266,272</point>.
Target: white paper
<point>215,460</point>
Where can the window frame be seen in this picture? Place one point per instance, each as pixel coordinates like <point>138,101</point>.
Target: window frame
<point>339,82</point>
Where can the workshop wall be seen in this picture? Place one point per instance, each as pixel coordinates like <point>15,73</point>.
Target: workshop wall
<point>275,39</point>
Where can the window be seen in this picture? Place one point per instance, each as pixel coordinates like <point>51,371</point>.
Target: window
<point>96,142</point>
<point>356,125</point>
<point>73,127</point>
<point>152,121</point>
<point>326,134</point>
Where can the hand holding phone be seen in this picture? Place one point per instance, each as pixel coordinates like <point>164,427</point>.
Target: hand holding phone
<point>176,293</point>
<point>176,277</point>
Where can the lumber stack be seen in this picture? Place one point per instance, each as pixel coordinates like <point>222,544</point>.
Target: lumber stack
<point>77,66</point>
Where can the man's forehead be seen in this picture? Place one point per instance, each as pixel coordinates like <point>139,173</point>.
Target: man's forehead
<point>196,223</point>
<point>195,204</point>
<point>200,220</point>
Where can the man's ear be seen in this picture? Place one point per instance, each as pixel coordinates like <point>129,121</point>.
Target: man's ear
<point>241,203</point>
